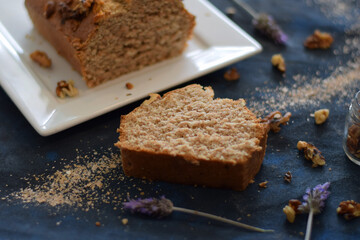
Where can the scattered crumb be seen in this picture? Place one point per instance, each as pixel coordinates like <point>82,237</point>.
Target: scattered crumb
<point>98,224</point>
<point>128,94</point>
<point>249,215</point>
<point>232,74</point>
<point>84,183</point>
<point>301,233</point>
<point>278,61</point>
<point>263,184</point>
<point>319,40</point>
<point>41,58</point>
<point>58,223</point>
<point>330,169</point>
<point>124,221</point>
<point>251,181</point>
<point>230,11</point>
<point>129,86</point>
<point>288,177</point>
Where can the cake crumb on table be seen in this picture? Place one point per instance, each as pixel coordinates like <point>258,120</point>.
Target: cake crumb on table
<point>124,221</point>
<point>263,184</point>
<point>98,224</point>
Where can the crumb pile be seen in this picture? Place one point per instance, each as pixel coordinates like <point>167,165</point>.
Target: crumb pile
<point>309,90</point>
<point>83,183</point>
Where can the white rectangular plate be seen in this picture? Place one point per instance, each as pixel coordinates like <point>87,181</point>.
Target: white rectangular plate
<point>217,42</point>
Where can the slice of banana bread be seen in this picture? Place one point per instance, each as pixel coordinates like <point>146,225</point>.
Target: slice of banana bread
<point>189,137</point>
<point>104,39</point>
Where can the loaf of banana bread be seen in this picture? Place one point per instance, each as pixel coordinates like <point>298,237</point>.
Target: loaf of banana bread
<point>189,137</point>
<point>104,39</point>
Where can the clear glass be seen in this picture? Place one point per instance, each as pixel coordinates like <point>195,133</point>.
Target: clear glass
<point>351,142</point>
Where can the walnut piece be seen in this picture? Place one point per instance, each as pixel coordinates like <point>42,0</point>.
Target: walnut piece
<point>231,74</point>
<point>288,177</point>
<point>64,89</point>
<point>275,119</point>
<point>321,116</point>
<point>353,140</point>
<point>291,210</point>
<point>153,97</point>
<point>41,58</point>
<point>350,209</point>
<point>319,40</point>
<point>278,61</point>
<point>74,9</point>
<point>49,9</point>
<point>263,184</point>
<point>311,153</point>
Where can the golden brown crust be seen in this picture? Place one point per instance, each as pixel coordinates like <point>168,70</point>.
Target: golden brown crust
<point>176,169</point>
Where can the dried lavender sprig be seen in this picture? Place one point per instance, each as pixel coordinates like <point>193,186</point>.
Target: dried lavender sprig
<point>314,203</point>
<point>315,199</point>
<point>264,24</point>
<point>164,207</point>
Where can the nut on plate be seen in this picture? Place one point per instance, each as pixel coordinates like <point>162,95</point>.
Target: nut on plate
<point>41,58</point>
<point>64,89</point>
<point>311,153</point>
<point>318,40</point>
<point>321,116</point>
<point>278,61</point>
<point>350,209</point>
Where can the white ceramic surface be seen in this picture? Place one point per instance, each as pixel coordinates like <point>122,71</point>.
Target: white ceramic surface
<point>217,42</point>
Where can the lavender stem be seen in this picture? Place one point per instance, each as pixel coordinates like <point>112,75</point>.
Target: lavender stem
<point>247,8</point>
<point>309,224</point>
<point>217,218</point>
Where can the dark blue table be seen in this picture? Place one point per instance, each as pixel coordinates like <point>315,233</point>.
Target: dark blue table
<point>24,153</point>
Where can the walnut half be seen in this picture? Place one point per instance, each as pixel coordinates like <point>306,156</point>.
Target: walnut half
<point>64,89</point>
<point>350,209</point>
<point>291,210</point>
<point>319,40</point>
<point>311,153</point>
<point>275,119</point>
<point>321,116</point>
<point>278,61</point>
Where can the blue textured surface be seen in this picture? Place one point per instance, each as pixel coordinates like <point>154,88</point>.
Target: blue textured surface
<point>23,152</point>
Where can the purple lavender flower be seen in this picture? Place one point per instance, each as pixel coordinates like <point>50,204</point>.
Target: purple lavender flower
<point>314,203</point>
<point>266,25</point>
<point>164,207</point>
<point>315,199</point>
<point>152,207</point>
